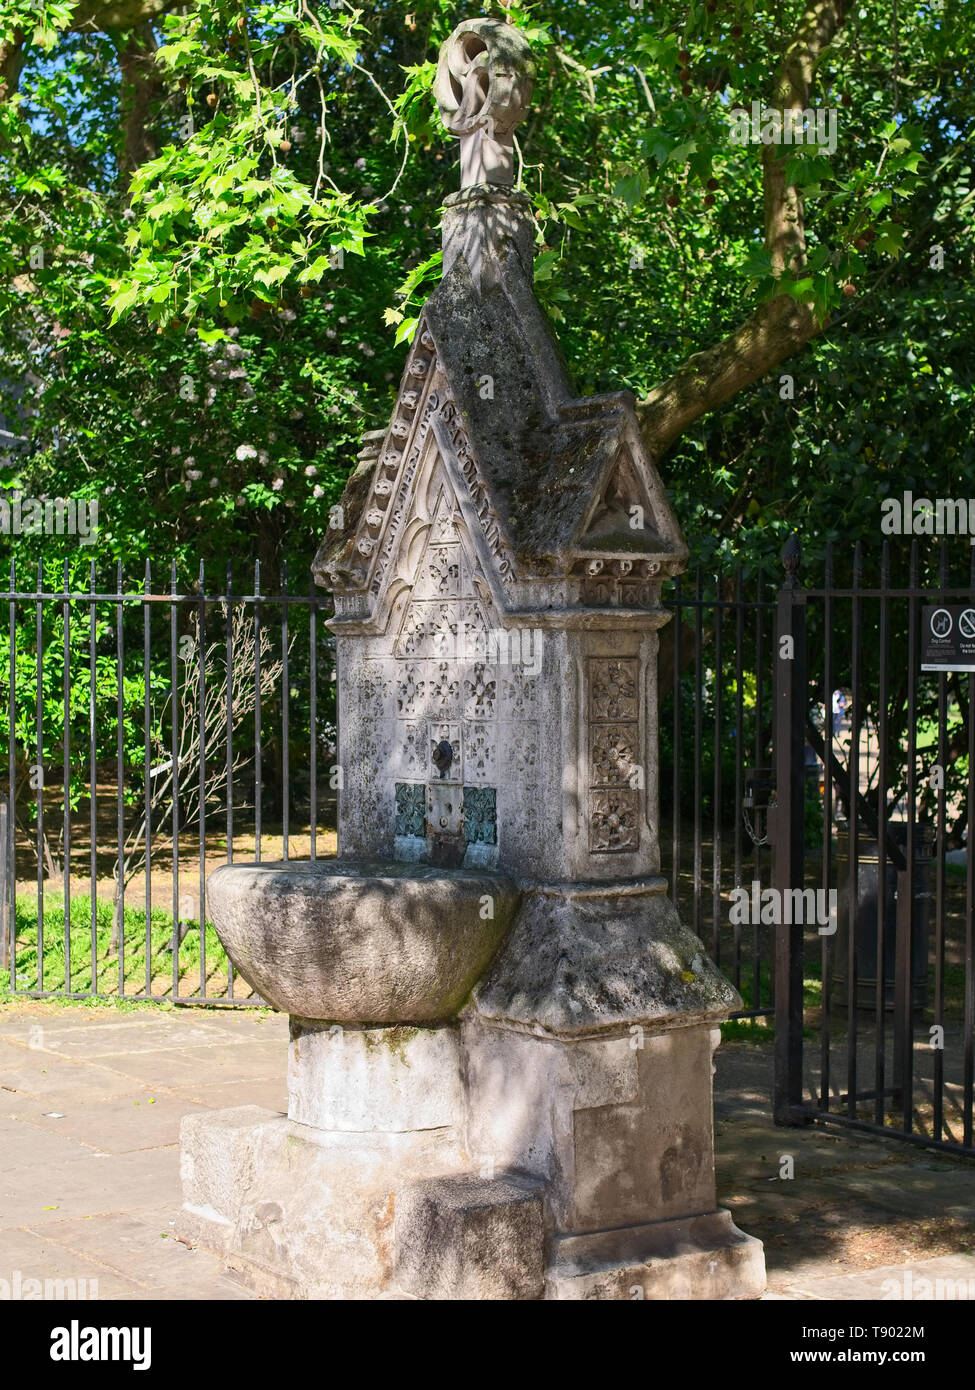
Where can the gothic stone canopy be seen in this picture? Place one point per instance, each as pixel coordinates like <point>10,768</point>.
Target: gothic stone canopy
<point>557,494</point>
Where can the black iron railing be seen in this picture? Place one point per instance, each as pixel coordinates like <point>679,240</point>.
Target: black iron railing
<point>887,991</point>
<point>172,728</point>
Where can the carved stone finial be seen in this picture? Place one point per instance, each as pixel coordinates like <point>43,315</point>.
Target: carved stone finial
<point>483,88</point>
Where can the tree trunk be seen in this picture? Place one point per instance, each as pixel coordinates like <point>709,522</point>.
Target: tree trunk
<point>141,88</point>
<point>782,325</point>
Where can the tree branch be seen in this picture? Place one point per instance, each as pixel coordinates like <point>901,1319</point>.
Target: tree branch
<point>95,16</point>
<point>777,329</point>
<point>141,86</point>
<point>781,326</point>
<point>11,59</point>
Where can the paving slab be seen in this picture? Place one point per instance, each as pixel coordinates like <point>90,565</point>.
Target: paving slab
<point>135,1034</point>
<point>91,1185</point>
<point>140,1246</point>
<point>27,1254</point>
<point>25,1146</point>
<point>167,1067</point>
<point>269,1091</point>
<point>124,1124</point>
<point>98,1188</point>
<point>915,1192</point>
<point>945,1278</point>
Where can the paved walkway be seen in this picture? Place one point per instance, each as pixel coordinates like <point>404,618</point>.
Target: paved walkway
<point>91,1099</point>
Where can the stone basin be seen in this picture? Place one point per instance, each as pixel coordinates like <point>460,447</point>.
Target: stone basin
<point>354,942</point>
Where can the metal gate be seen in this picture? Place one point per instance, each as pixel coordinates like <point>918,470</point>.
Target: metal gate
<point>875,997</point>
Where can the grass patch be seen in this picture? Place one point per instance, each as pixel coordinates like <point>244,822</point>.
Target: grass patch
<point>753,1030</point>
<point>70,972</point>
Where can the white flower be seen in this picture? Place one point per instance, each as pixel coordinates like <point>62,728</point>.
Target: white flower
<point>318,491</point>
<point>213,482</point>
<point>360,164</point>
<point>190,461</point>
<point>311,471</point>
<point>194,475</point>
<point>277,485</point>
<point>263,456</point>
<point>246,451</point>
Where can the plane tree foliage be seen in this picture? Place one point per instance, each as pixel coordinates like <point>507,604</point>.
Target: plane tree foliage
<point>218,222</point>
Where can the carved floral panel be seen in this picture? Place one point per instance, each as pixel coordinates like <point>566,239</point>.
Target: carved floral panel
<point>615,756</point>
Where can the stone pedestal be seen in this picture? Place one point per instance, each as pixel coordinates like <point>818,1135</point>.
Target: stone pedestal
<point>302,1205</point>
<point>476,1161</point>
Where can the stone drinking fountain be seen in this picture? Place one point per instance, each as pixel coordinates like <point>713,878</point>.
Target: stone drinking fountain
<point>501,1032</point>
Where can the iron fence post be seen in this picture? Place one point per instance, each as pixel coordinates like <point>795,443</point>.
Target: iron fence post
<point>6,885</point>
<point>787,827</point>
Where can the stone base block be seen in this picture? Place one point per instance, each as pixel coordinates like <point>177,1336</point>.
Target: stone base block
<point>297,1212</point>
<point>699,1257</point>
<point>389,1080</point>
<point>465,1237</point>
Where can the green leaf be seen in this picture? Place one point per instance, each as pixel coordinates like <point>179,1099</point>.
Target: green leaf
<point>122,301</point>
<point>274,276</point>
<point>406,330</point>
<point>758,263</point>
<point>681,153</point>
<point>630,188</point>
<point>545,265</point>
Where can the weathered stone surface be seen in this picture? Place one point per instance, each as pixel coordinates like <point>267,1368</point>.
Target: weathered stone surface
<point>360,942</point>
<point>620,1129</point>
<point>464,1237</point>
<point>704,1257</point>
<point>217,1160</point>
<point>483,87</point>
<point>577,963</point>
<point>296,1211</point>
<point>386,1079</point>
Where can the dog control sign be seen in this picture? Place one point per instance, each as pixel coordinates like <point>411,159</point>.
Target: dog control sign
<point>948,637</point>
